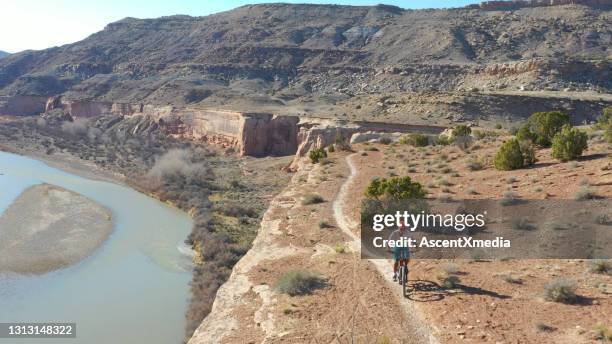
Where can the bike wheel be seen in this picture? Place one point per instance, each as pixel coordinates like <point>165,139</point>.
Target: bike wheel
<point>405,280</point>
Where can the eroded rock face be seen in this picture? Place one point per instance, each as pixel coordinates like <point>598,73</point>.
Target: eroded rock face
<point>266,134</point>
<point>251,133</point>
<point>319,133</point>
<point>316,133</point>
<point>22,105</point>
<point>89,109</point>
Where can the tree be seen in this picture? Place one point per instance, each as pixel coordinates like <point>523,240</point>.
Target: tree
<point>341,142</point>
<point>569,143</point>
<point>524,134</point>
<point>528,151</point>
<point>442,140</point>
<point>317,154</point>
<point>461,130</point>
<point>608,134</point>
<point>541,127</point>
<point>416,140</point>
<point>396,188</point>
<point>509,156</point>
<point>604,121</point>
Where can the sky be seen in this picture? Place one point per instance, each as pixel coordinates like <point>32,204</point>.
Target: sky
<point>40,24</point>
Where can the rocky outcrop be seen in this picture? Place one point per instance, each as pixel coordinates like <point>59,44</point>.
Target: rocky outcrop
<point>318,133</point>
<point>22,105</point>
<point>513,68</point>
<point>515,5</point>
<point>263,134</point>
<point>251,133</point>
<point>266,134</point>
<point>89,109</point>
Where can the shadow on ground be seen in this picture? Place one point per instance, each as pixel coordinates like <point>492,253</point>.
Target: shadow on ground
<point>427,291</point>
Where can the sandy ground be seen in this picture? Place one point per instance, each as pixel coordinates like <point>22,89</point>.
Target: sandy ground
<point>48,228</point>
<point>488,306</point>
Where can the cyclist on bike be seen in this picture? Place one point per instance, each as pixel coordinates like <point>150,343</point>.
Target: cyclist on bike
<point>399,253</point>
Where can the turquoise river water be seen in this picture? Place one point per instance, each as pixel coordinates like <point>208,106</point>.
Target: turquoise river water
<point>133,289</point>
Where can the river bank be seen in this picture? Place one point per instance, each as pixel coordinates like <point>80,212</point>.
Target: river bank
<point>68,163</point>
<point>224,194</point>
<point>114,284</point>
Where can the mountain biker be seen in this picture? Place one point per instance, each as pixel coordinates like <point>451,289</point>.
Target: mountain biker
<point>399,253</point>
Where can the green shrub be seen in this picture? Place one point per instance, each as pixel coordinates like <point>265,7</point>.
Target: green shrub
<point>522,224</point>
<point>509,278</point>
<point>569,143</point>
<point>312,199</point>
<point>509,156</point>
<point>479,134</point>
<point>605,119</point>
<point>601,266</point>
<point>417,140</point>
<point>524,134</point>
<point>560,290</point>
<point>508,198</point>
<point>475,164</point>
<point>498,126</point>
<point>463,142</point>
<point>608,134</point>
<point>541,327</point>
<point>396,188</point>
<point>443,140</point>
<point>331,149</point>
<point>317,154</point>
<point>603,333</point>
<point>448,276</point>
<point>529,157</point>
<point>340,248</point>
<point>584,193</point>
<point>450,268</point>
<point>300,282</point>
<point>603,219</point>
<point>461,130</point>
<point>448,281</point>
<point>324,224</point>
<point>342,142</point>
<point>541,127</point>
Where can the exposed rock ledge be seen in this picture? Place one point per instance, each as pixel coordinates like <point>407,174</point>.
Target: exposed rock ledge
<point>48,227</point>
<point>251,133</point>
<point>351,308</point>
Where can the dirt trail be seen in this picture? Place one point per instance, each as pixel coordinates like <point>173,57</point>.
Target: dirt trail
<point>422,331</point>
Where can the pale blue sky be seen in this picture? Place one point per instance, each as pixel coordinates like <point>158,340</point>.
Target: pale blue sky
<point>39,24</point>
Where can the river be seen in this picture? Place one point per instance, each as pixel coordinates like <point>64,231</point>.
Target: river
<point>133,289</point>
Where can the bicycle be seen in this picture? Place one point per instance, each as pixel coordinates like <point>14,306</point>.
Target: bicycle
<point>403,276</point>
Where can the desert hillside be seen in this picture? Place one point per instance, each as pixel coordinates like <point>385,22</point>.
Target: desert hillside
<point>313,227</point>
<point>270,124</point>
<point>338,61</point>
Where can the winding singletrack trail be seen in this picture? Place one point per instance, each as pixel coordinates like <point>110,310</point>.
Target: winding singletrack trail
<point>422,331</point>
